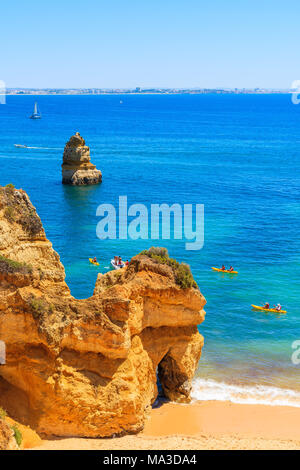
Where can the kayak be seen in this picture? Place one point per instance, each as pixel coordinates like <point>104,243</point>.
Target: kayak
<point>257,307</point>
<point>226,271</point>
<point>93,262</point>
<point>117,266</point>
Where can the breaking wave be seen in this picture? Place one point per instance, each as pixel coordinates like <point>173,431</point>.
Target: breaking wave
<point>205,390</point>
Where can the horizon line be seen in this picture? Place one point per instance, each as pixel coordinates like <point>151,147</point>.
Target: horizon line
<point>138,88</point>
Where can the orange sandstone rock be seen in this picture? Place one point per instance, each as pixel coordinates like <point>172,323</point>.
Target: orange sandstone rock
<point>89,367</point>
<point>77,168</point>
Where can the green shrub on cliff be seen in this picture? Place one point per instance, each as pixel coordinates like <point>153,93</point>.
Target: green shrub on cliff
<point>156,251</point>
<point>17,434</point>
<point>17,208</point>
<point>40,306</point>
<point>10,187</point>
<point>31,222</point>
<point>184,277</point>
<point>9,213</point>
<point>182,271</point>
<point>2,413</point>
<point>9,266</point>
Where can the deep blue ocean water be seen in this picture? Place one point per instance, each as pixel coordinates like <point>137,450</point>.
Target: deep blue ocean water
<point>239,155</point>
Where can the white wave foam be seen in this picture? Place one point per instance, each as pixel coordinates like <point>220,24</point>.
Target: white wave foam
<point>45,148</point>
<point>205,390</point>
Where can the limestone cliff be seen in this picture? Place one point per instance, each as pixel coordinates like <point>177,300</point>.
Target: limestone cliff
<point>88,367</point>
<point>77,168</point>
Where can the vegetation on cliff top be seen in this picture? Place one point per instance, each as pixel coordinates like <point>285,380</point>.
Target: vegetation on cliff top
<point>9,266</point>
<point>182,271</point>
<point>17,208</point>
<point>31,222</point>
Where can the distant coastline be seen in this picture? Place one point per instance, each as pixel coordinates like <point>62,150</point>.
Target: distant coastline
<point>143,91</point>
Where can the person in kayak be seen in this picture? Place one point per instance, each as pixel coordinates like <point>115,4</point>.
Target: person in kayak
<point>223,268</point>
<point>278,307</point>
<point>267,305</point>
<point>95,260</point>
<point>231,268</point>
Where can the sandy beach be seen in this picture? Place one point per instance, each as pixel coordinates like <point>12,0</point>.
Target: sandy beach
<point>203,425</point>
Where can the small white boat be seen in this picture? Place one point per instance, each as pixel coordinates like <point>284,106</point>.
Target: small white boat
<point>117,266</point>
<point>36,113</point>
<point>21,146</point>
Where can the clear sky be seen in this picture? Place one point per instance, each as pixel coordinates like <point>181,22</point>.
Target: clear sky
<point>150,43</point>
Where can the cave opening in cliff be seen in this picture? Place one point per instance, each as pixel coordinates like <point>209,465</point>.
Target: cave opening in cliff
<point>161,377</point>
<point>160,391</point>
<point>2,353</point>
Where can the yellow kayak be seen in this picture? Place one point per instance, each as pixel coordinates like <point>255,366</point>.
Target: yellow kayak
<point>93,262</point>
<point>257,307</point>
<point>226,271</point>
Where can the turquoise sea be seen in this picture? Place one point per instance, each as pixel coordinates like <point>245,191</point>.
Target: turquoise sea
<point>239,155</point>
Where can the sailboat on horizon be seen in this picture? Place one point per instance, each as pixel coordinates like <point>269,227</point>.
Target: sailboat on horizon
<point>36,114</point>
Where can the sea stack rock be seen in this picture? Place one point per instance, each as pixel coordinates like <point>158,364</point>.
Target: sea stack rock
<point>77,168</point>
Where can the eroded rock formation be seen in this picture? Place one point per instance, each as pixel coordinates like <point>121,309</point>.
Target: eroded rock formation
<point>88,367</point>
<point>77,168</point>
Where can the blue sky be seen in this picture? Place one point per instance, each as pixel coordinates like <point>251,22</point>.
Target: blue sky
<point>150,43</point>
